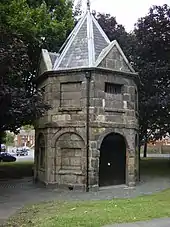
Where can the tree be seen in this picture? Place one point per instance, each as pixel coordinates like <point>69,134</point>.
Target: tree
<point>19,105</point>
<point>147,48</point>
<point>77,10</point>
<point>153,64</point>
<point>116,31</point>
<point>43,24</point>
<point>28,127</point>
<point>25,28</point>
<point>9,139</point>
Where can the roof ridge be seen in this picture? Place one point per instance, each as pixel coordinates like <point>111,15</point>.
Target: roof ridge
<point>90,37</point>
<point>100,29</point>
<point>106,51</point>
<point>69,40</point>
<point>83,45</point>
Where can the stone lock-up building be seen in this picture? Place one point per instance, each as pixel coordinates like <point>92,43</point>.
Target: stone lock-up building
<point>88,138</point>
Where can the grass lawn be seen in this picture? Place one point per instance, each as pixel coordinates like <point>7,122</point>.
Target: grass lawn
<point>149,166</point>
<point>155,166</point>
<point>12,170</point>
<point>99,213</point>
<point>93,213</point>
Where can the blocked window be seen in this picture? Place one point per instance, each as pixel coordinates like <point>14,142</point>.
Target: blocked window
<point>70,152</point>
<point>71,158</point>
<point>70,94</point>
<point>41,151</point>
<point>113,96</point>
<point>113,88</point>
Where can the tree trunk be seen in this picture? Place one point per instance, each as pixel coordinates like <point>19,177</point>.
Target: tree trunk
<point>145,149</point>
<point>139,149</point>
<point>0,142</point>
<point>160,148</point>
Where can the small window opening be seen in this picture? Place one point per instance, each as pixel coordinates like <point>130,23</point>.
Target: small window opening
<point>113,88</point>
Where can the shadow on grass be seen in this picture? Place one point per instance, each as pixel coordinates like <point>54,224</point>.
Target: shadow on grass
<point>16,170</point>
<point>148,167</point>
<point>155,167</point>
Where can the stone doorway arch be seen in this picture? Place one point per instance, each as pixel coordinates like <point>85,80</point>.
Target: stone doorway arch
<point>112,164</point>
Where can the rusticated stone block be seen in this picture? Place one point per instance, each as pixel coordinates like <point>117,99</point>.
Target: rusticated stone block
<point>95,163</point>
<point>75,161</point>
<point>68,179</point>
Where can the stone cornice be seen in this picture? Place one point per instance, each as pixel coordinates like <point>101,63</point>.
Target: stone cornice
<point>54,73</point>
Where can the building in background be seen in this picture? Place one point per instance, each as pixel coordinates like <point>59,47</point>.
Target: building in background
<point>25,138</point>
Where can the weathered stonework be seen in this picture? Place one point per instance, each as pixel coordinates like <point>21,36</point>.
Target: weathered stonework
<point>65,129</point>
<point>73,130</point>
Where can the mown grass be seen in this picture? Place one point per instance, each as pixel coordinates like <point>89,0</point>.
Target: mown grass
<point>149,166</point>
<point>155,167</point>
<point>13,170</point>
<point>93,213</point>
<point>99,213</point>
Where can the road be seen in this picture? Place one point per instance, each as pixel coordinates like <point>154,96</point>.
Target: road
<point>157,155</point>
<point>29,157</point>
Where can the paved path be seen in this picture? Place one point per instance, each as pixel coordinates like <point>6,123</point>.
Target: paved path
<point>156,155</point>
<point>154,223</point>
<point>17,193</point>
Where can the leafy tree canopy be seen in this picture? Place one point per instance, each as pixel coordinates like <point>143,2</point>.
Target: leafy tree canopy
<point>43,24</point>
<point>19,105</point>
<point>25,28</point>
<point>116,31</point>
<point>153,64</point>
<point>28,127</point>
<point>148,49</point>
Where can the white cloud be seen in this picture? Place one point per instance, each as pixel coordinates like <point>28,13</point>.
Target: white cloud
<point>126,11</point>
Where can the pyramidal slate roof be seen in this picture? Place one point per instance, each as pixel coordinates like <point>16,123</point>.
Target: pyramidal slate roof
<point>84,45</point>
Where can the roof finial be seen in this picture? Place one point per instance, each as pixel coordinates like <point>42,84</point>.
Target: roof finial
<point>88,5</point>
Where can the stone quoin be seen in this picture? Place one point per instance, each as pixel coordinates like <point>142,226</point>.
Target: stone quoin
<point>89,137</point>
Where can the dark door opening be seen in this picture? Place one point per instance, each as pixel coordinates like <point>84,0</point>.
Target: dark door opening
<point>112,168</point>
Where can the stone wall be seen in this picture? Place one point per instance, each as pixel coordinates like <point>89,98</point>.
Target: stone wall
<point>66,124</point>
<point>40,172</point>
<point>114,60</point>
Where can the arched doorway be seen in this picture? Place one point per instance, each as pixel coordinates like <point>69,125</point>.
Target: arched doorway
<point>112,167</point>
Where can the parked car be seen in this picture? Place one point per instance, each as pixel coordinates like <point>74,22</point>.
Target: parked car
<point>3,147</point>
<point>22,151</point>
<point>6,157</point>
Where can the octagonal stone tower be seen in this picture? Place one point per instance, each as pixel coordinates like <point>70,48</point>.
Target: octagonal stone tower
<point>88,138</point>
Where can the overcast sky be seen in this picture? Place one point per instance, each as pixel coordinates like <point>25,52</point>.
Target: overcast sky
<point>126,11</point>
